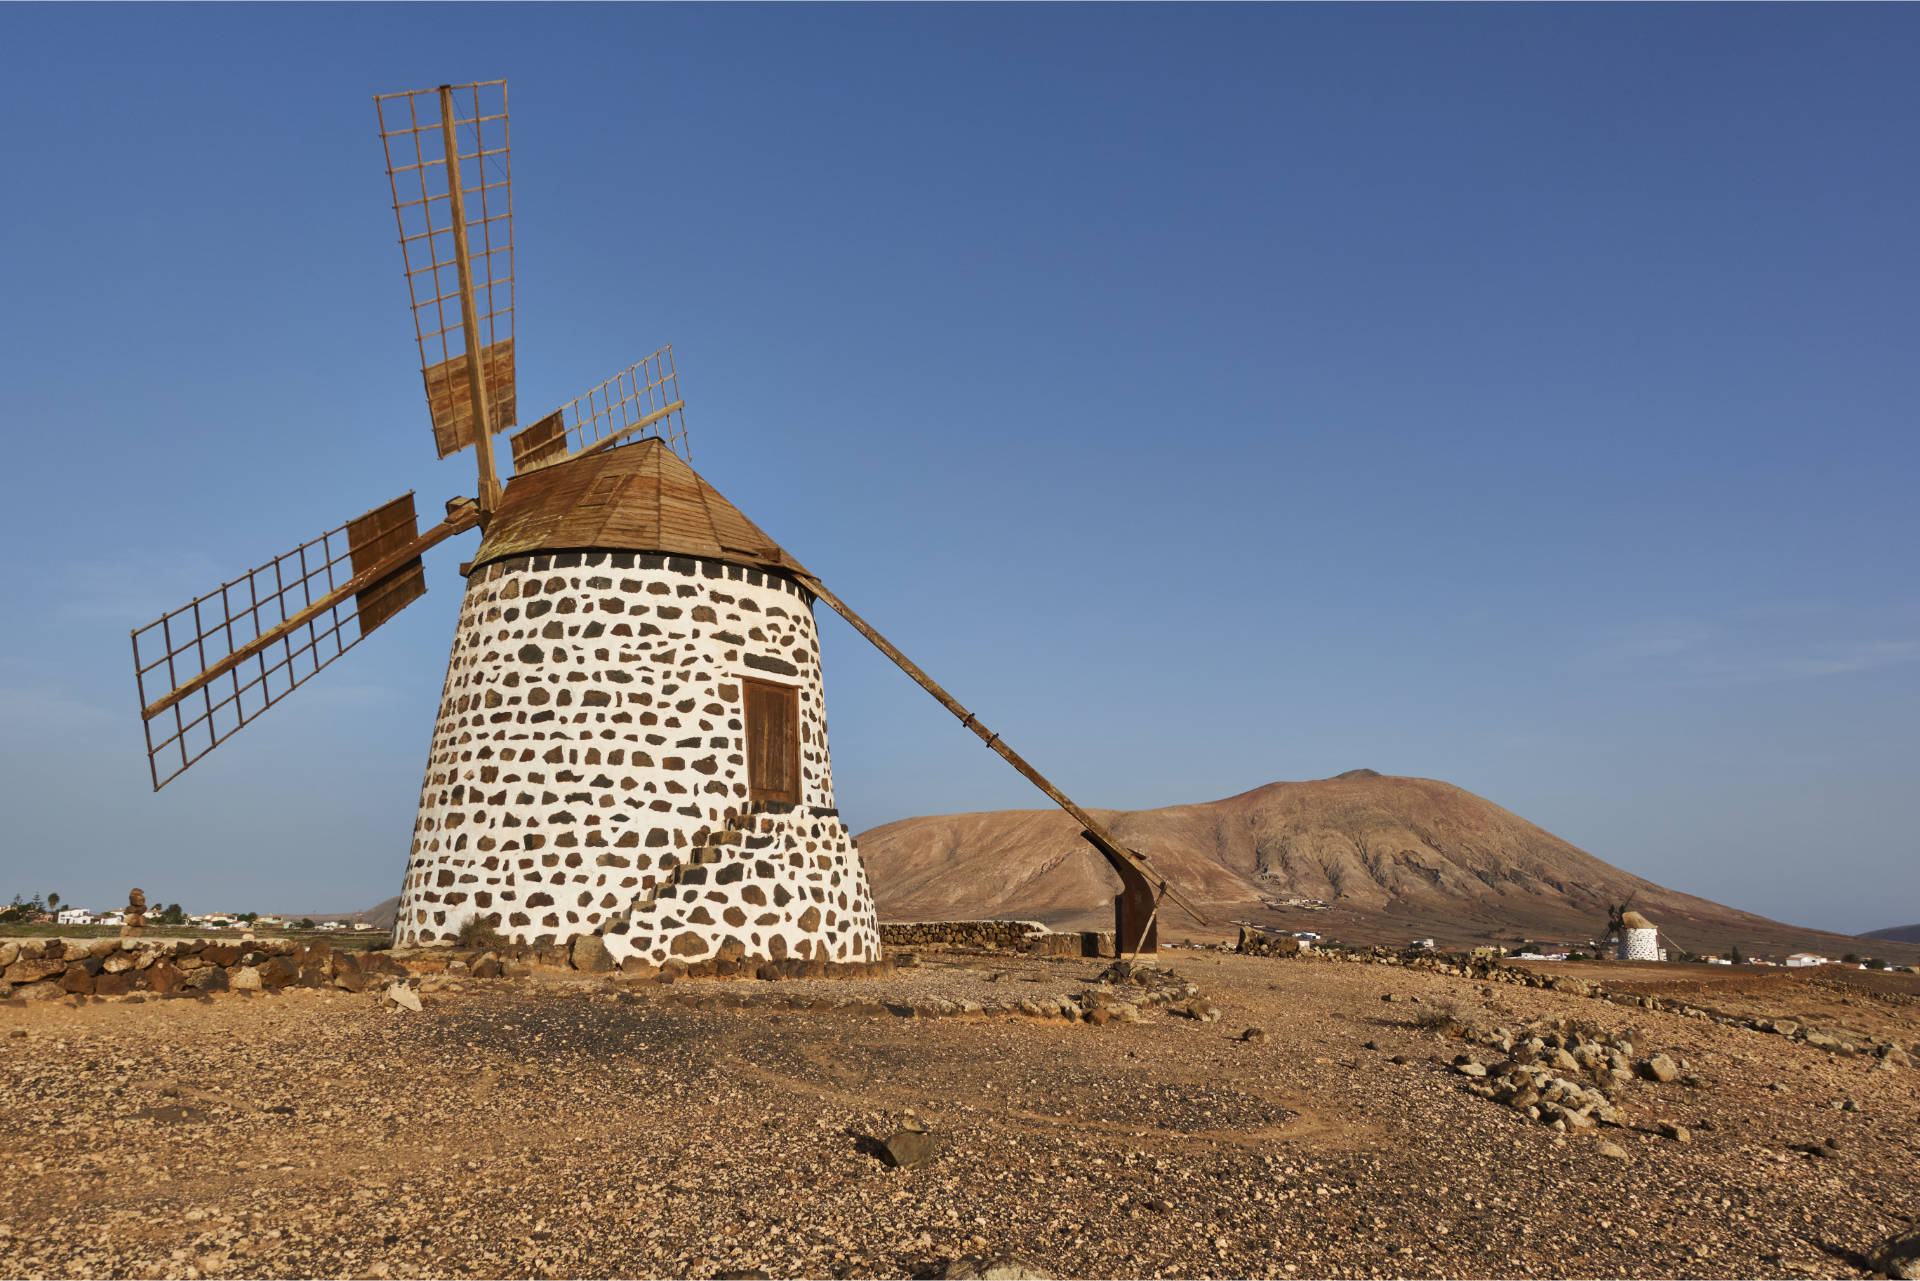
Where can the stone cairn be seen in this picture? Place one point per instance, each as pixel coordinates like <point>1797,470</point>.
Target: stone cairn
<point>134,923</point>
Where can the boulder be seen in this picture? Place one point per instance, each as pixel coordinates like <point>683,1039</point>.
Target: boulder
<point>1658,1067</point>
<point>278,972</point>
<point>208,978</point>
<point>907,1148</point>
<point>1898,1256</point>
<point>404,997</point>
<point>32,971</point>
<point>347,974</point>
<point>164,977</point>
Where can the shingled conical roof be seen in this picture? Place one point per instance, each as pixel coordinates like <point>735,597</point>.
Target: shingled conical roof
<point>640,498</point>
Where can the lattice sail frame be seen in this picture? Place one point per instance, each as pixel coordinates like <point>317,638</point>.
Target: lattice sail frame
<point>185,643</point>
<point>647,390</point>
<point>417,172</point>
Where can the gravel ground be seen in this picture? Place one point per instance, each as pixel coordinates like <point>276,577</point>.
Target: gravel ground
<point>588,1128</point>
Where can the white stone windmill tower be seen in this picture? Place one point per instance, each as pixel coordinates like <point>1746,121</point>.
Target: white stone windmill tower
<point>632,736</point>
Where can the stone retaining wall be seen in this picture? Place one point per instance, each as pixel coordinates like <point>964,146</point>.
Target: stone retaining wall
<point>1013,936</point>
<point>52,969</point>
<point>46,969</point>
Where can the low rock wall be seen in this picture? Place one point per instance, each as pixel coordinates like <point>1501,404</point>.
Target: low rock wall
<point>1890,1054</point>
<point>141,968</point>
<point>1010,936</point>
<point>47,969</point>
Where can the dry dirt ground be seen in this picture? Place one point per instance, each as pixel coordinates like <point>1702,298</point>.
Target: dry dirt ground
<point>589,1128</point>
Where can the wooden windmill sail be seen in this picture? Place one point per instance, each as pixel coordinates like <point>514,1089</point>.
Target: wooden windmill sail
<point>552,704</point>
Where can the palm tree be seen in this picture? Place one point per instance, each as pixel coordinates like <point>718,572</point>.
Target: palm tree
<point>53,904</point>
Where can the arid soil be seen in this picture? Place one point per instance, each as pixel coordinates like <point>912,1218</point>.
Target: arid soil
<point>587,1127</point>
<point>1392,858</point>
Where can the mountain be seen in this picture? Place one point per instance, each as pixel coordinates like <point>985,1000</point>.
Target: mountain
<point>1392,858</point>
<point>381,915</point>
<point>1898,933</point>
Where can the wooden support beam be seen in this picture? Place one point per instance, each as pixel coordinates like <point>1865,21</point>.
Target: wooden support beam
<point>469,312</point>
<point>1094,830</point>
<point>464,520</point>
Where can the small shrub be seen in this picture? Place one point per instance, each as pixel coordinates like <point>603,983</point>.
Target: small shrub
<point>478,931</point>
<point>1441,1016</point>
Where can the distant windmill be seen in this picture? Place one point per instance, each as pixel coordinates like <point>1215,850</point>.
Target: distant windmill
<point>632,735</point>
<point>1635,937</point>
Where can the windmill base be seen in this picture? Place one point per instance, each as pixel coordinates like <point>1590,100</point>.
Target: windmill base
<point>1136,926</point>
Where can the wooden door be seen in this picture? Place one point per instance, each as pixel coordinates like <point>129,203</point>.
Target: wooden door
<point>773,742</point>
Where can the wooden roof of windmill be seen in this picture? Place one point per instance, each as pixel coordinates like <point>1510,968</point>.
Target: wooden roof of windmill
<point>641,498</point>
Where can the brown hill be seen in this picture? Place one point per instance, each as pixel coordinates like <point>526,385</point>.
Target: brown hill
<point>1897,933</point>
<point>1393,858</point>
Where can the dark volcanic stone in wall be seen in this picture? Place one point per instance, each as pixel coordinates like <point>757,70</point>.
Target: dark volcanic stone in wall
<point>557,736</point>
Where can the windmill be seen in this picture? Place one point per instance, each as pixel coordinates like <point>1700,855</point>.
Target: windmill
<point>1635,938</point>
<point>631,740</point>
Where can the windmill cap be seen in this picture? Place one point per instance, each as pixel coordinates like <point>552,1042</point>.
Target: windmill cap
<point>635,498</point>
<point>1635,921</point>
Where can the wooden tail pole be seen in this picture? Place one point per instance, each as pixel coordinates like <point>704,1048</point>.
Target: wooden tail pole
<point>469,312</point>
<point>1095,831</point>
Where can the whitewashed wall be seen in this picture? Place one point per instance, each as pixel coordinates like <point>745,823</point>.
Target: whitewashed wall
<point>588,771</point>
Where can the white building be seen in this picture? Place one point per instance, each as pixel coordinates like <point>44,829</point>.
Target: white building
<point>632,739</point>
<point>75,916</point>
<point>1802,960</point>
<point>1639,939</point>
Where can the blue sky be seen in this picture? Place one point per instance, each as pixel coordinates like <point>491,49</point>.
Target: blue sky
<point>1517,396</point>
